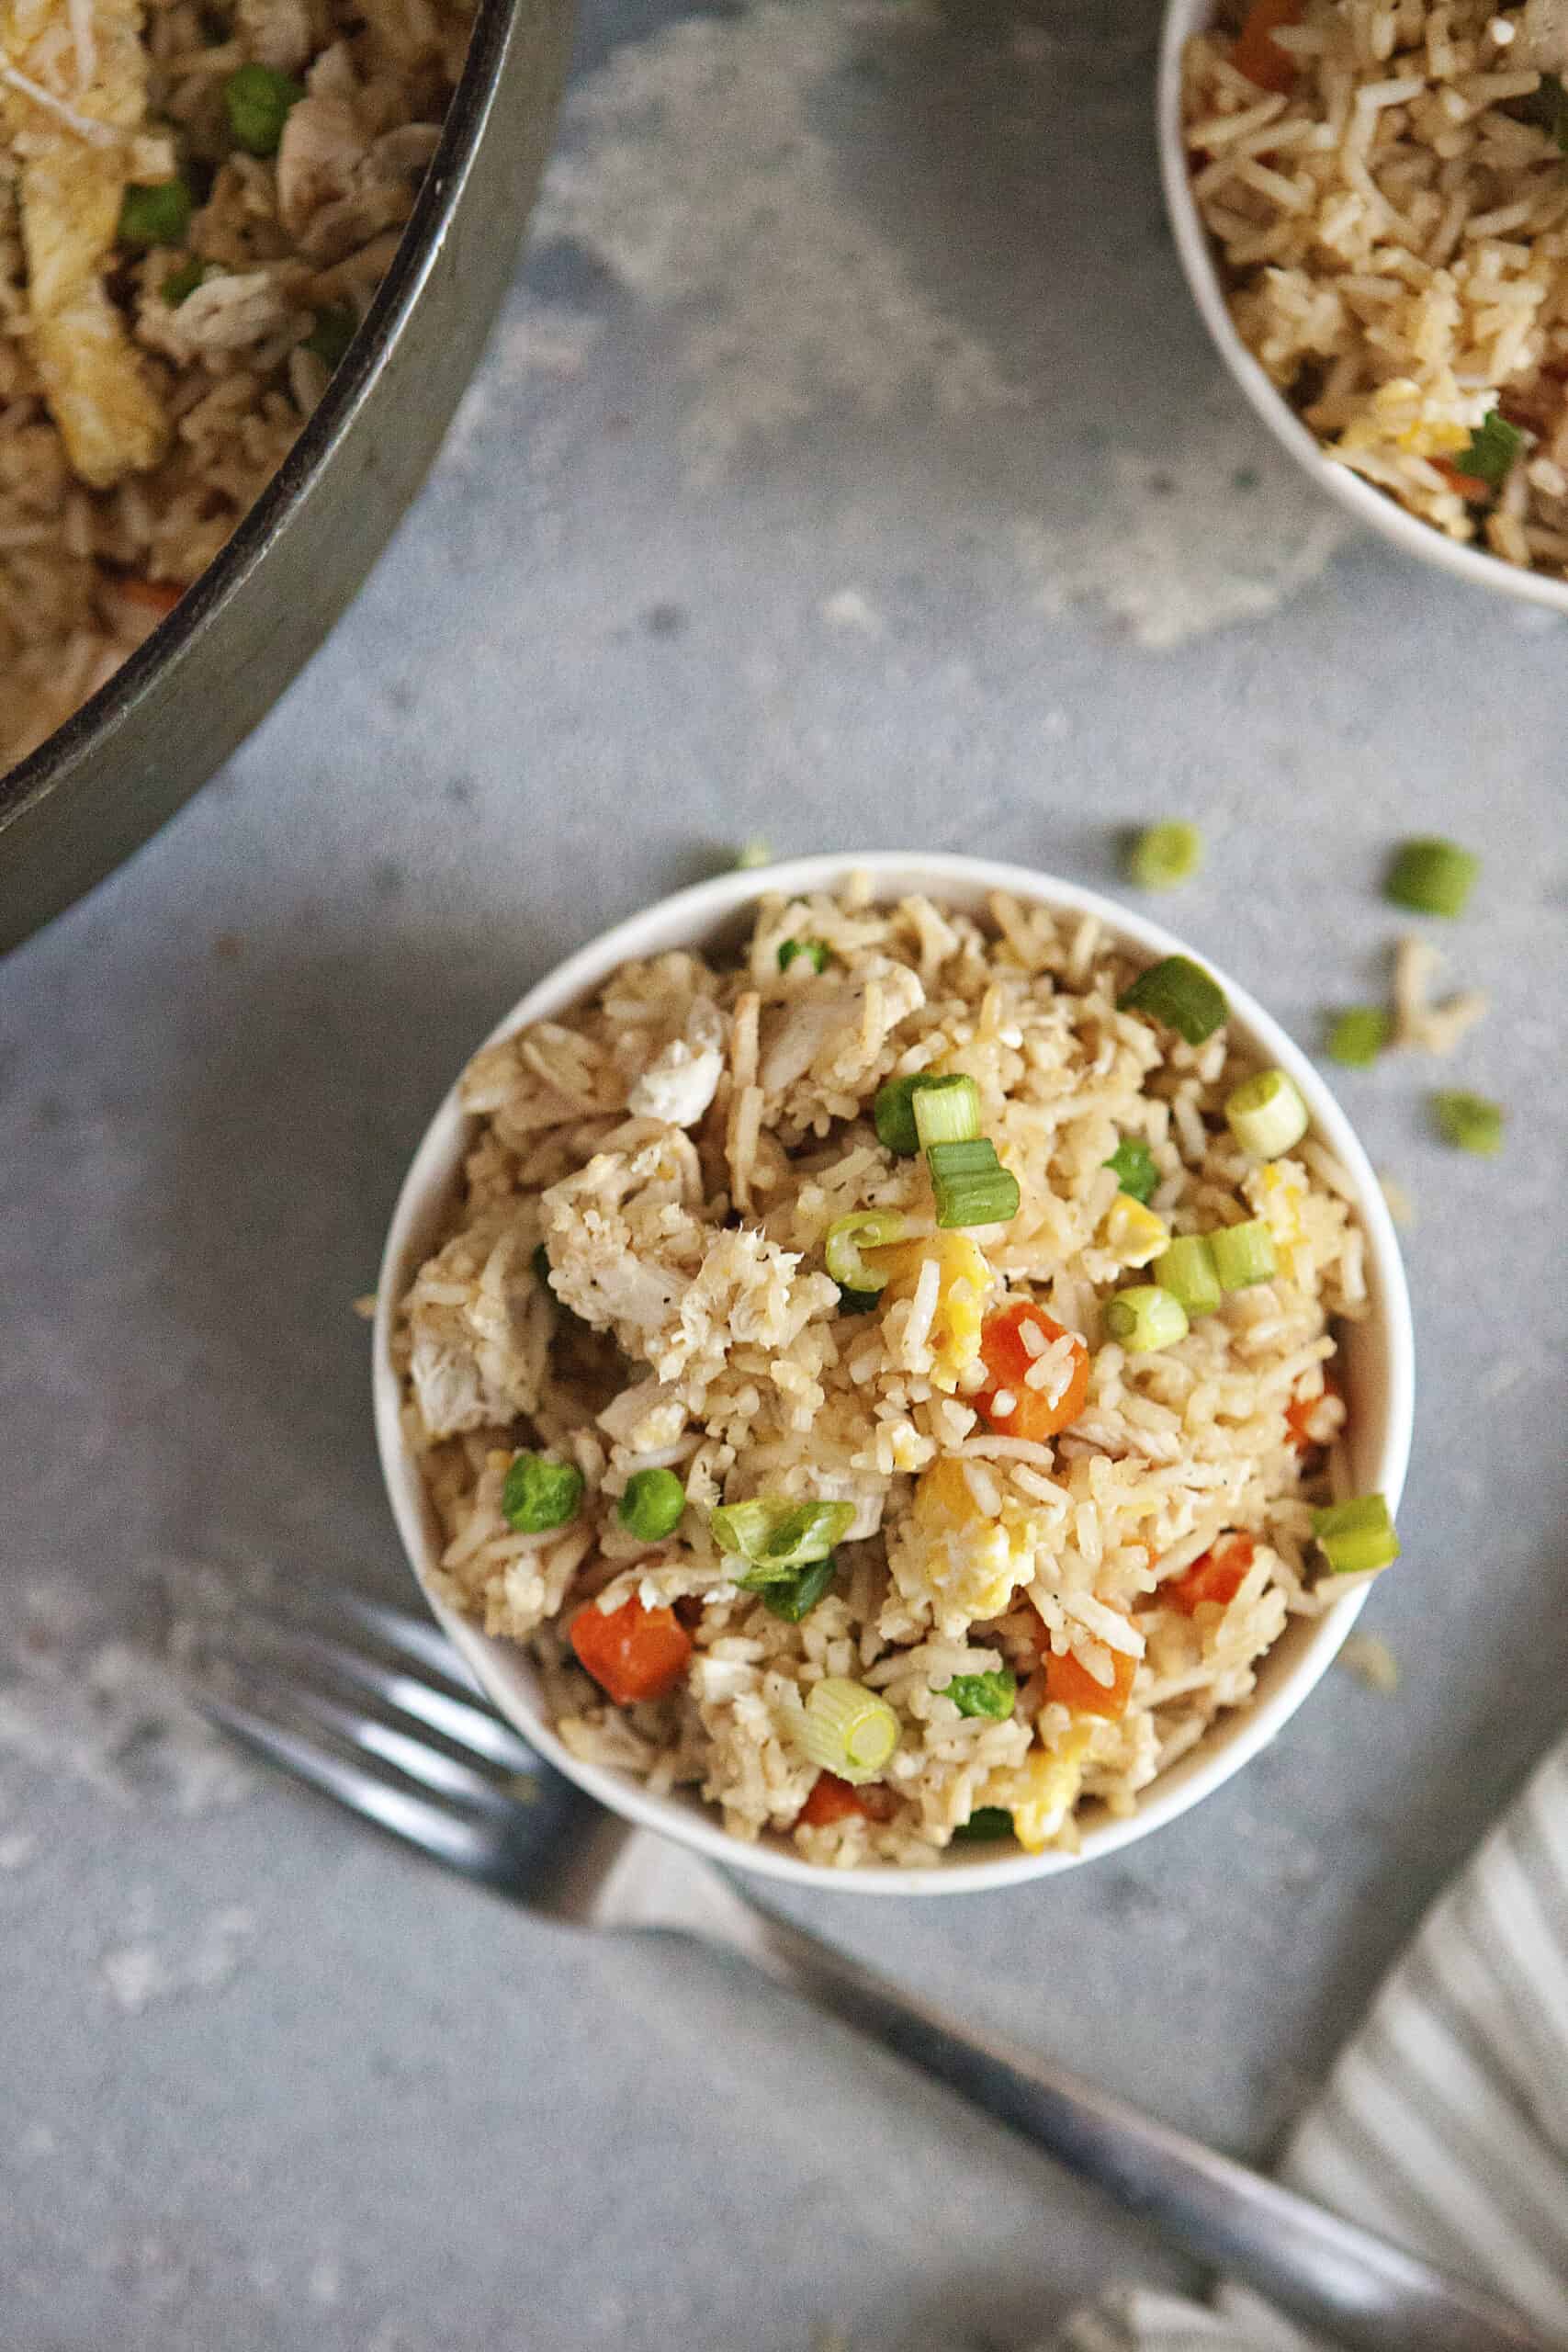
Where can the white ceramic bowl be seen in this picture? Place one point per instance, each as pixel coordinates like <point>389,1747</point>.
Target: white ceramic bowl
<point>1377,1363</point>
<point>1373,507</point>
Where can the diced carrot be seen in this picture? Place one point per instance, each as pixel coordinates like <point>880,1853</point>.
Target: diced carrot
<point>1071,1684</point>
<point>1301,1411</point>
<point>158,596</point>
<point>632,1653</point>
<point>1215,1574</point>
<point>1258,54</point>
<point>834,1800</point>
<point>1027,1412</point>
<point>1470,486</point>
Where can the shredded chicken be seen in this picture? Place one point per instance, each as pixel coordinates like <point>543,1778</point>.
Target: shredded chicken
<point>98,392</point>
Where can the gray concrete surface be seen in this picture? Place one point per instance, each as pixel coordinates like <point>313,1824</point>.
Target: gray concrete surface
<point>849,470</point>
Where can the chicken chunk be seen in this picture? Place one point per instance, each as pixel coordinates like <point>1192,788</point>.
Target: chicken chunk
<point>73,156</point>
<point>832,1034</point>
<point>479,1330</point>
<point>679,1085</point>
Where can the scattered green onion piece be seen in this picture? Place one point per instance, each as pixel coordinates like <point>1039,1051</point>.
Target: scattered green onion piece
<point>971,1185</point>
<point>894,1114</point>
<point>1266,1114</point>
<point>989,1696</point>
<point>1357,1036</point>
<point>947,1110</point>
<point>815,951</point>
<point>154,214</point>
<point>1243,1254</point>
<point>1491,451</point>
<point>1186,1269</point>
<point>1162,855</point>
<point>799,1597</point>
<point>539,1493</point>
<point>848,1730</point>
<point>753,853</point>
<point>1181,994</point>
<point>1132,1164</point>
<point>1469,1121</point>
<point>1146,1317</point>
<point>847,1237</point>
<point>986,1823</point>
<point>334,330</point>
<point>1432,876</point>
<point>774,1537</point>
<point>257,101</point>
<point>858,1302</point>
<point>651,1504</point>
<point>1356,1536</point>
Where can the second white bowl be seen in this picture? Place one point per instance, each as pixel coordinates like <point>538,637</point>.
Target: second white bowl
<point>1376,1353</point>
<point>1369,506</point>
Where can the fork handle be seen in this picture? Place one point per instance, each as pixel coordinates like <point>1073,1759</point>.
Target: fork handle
<point>1327,2272</point>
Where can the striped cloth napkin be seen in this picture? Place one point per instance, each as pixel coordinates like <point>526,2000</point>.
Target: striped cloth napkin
<point>1444,2126</point>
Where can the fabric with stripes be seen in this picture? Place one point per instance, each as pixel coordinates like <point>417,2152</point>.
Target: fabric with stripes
<point>1444,2125</point>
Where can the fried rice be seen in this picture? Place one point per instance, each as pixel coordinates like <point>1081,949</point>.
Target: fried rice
<point>1386,186</point>
<point>149,392</point>
<point>634,1279</point>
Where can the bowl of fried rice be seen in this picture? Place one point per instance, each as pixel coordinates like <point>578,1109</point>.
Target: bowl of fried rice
<point>1369,200</point>
<point>249,254</point>
<point>893,1372</point>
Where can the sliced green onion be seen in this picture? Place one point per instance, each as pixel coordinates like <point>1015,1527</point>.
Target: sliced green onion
<point>1146,1317</point>
<point>753,853</point>
<point>815,951</point>
<point>154,214</point>
<point>651,1504</point>
<point>1491,451</point>
<point>538,1493</point>
<point>1469,1121</point>
<point>858,1302</point>
<point>947,1110</point>
<point>257,101</point>
<point>1162,855</point>
<point>182,283</point>
<point>1186,1271</point>
<point>1267,1115</point>
<point>774,1537</point>
<point>1356,1036</point>
<point>1356,1536</point>
<point>847,1236</point>
<point>334,330</point>
<point>1432,876</point>
<point>894,1114</point>
<point>1243,1254</point>
<point>848,1729</point>
<point>971,1185</point>
<point>1133,1165</point>
<point>1181,994</point>
<point>795,1599</point>
<point>989,1696</point>
<point>986,1822</point>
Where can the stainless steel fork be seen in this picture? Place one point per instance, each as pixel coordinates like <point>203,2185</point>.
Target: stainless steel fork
<point>375,1707</point>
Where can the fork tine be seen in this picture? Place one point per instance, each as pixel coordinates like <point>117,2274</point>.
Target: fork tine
<point>417,1639</point>
<point>416,1759</point>
<point>467,1844</point>
<point>468,1727</point>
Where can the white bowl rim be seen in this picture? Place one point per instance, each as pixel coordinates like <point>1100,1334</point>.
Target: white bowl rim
<point>1369,506</point>
<point>694,914</point>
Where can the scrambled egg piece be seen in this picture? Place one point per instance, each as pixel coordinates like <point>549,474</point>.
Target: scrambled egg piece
<point>73,170</point>
<point>1041,1792</point>
<point>1132,1233</point>
<point>1277,1191</point>
<point>964,1283</point>
<point>1404,417</point>
<point>951,1556</point>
